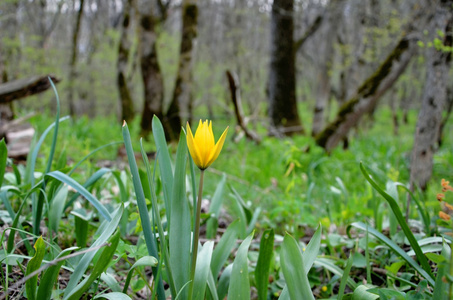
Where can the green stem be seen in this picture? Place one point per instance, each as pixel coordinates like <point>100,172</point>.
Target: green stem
<point>196,235</point>
<point>451,271</point>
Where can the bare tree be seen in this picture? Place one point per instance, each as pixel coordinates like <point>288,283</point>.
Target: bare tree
<point>434,95</point>
<point>283,114</point>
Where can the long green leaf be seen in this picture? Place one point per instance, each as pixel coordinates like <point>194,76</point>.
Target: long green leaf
<point>156,216</point>
<point>38,203</point>
<point>224,282</point>
<point>90,181</point>
<point>312,250</point>
<point>211,293</point>
<point>239,288</point>
<point>294,270</point>
<point>50,277</point>
<point>3,159</point>
<point>202,271</point>
<point>394,247</point>
<point>165,167</point>
<point>113,296</point>
<point>399,216</point>
<point>179,232</point>
<point>56,208</point>
<point>33,265</point>
<point>224,247</point>
<point>106,255</point>
<point>79,188</point>
<point>142,208</point>
<point>263,264</point>
<point>105,230</point>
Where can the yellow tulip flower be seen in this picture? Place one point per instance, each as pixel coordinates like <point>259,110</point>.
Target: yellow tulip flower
<point>202,147</point>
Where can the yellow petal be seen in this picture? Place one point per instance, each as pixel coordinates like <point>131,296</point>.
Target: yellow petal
<point>217,148</point>
<point>193,149</point>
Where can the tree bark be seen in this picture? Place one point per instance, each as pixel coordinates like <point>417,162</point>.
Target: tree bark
<point>73,62</point>
<point>152,77</point>
<point>126,103</point>
<point>283,114</point>
<point>434,97</point>
<point>369,92</point>
<point>323,91</point>
<point>181,104</point>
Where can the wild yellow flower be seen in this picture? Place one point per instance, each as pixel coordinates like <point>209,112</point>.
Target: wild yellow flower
<point>202,147</point>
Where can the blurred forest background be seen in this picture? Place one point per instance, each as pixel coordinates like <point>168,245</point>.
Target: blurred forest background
<point>186,59</point>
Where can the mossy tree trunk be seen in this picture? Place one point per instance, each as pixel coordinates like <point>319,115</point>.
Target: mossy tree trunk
<point>73,61</point>
<point>434,95</point>
<point>181,105</point>
<point>326,50</point>
<point>126,103</point>
<point>283,114</point>
<point>151,74</point>
<point>368,94</point>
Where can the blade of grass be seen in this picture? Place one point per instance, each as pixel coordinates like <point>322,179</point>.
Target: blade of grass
<point>142,208</point>
<point>394,247</point>
<point>3,159</point>
<point>399,216</point>
<point>345,277</point>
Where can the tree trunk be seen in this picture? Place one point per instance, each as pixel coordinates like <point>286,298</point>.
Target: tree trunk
<point>328,32</point>
<point>152,77</point>
<point>434,97</point>
<point>181,104</point>
<point>368,94</point>
<point>73,62</point>
<point>283,114</point>
<point>126,103</point>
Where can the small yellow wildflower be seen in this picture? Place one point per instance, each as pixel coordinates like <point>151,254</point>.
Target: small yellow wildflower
<point>324,288</point>
<point>202,146</point>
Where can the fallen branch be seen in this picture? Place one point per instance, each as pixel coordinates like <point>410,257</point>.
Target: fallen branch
<point>21,88</point>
